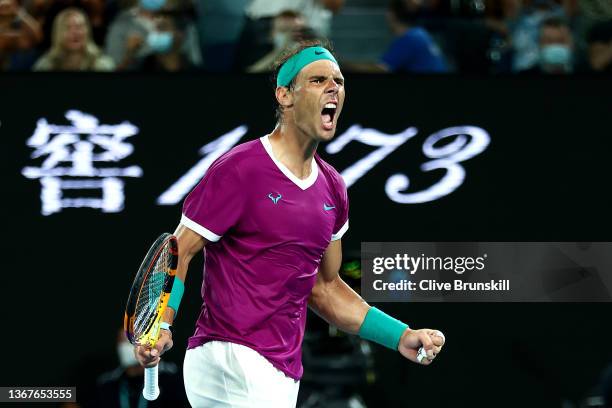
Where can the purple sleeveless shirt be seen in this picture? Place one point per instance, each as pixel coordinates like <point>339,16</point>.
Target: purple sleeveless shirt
<point>268,232</point>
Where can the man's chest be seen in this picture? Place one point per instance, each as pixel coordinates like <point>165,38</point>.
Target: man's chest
<point>280,212</point>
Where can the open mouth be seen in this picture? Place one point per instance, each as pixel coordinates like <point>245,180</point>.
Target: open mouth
<point>327,115</point>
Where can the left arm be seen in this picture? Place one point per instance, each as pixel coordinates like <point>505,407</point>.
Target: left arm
<point>332,298</point>
<point>338,304</point>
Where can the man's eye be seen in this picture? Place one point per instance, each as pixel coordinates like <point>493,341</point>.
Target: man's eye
<point>318,80</point>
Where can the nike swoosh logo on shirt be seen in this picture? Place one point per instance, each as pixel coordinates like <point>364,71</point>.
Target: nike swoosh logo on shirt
<point>328,207</point>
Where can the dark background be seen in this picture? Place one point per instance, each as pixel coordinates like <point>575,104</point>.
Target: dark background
<point>544,177</point>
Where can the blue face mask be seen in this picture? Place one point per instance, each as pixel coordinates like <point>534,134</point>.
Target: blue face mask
<point>152,5</point>
<point>555,54</point>
<point>160,41</point>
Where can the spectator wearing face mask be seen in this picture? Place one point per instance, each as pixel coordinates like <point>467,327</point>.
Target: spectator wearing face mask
<point>72,46</point>
<point>556,49</point>
<point>525,32</point>
<point>288,29</point>
<point>19,34</point>
<point>166,43</point>
<point>122,387</point>
<point>133,36</point>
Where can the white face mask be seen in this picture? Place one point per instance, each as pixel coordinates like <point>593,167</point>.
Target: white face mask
<point>125,352</point>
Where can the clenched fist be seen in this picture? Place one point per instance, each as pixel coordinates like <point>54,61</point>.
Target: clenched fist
<point>411,342</point>
<point>149,357</point>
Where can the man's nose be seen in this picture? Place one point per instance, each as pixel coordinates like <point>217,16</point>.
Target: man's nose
<point>332,86</point>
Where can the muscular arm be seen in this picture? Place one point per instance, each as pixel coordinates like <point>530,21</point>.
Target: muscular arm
<point>336,302</point>
<point>189,244</point>
<point>332,298</point>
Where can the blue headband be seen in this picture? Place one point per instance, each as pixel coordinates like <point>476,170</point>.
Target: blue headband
<point>295,64</point>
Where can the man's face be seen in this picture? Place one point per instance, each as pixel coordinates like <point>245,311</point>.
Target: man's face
<point>318,97</point>
<point>555,35</point>
<point>555,49</point>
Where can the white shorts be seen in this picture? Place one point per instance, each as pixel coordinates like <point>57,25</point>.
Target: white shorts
<point>220,374</point>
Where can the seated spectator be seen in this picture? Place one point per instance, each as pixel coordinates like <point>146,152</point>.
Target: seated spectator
<point>288,29</point>
<point>166,43</point>
<point>72,46</point>
<point>525,32</point>
<point>127,41</point>
<point>255,39</point>
<point>413,50</point>
<point>19,34</point>
<point>600,47</point>
<point>99,13</point>
<point>556,49</point>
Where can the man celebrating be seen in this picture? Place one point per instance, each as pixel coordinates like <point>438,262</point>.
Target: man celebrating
<point>271,214</point>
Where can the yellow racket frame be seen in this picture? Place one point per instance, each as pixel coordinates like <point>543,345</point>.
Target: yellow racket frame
<point>151,333</point>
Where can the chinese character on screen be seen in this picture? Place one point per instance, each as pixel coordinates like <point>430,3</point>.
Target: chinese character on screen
<point>78,157</point>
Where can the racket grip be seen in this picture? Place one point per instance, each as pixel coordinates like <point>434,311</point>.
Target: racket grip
<point>151,389</point>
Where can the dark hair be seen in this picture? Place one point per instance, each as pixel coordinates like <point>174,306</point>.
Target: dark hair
<point>402,12</point>
<point>555,22</point>
<point>600,32</point>
<point>288,53</point>
<point>289,14</point>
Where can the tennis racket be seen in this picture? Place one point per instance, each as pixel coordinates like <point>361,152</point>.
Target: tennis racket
<point>148,300</point>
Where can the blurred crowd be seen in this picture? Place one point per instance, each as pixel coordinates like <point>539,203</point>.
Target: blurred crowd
<point>428,36</point>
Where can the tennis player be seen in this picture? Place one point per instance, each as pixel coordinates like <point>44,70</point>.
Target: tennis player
<point>271,214</point>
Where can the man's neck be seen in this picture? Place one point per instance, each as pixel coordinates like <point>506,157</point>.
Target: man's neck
<point>401,29</point>
<point>294,149</point>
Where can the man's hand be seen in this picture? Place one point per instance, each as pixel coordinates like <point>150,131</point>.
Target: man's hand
<point>412,340</point>
<point>148,357</point>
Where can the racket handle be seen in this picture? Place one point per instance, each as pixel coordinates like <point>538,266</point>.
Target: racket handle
<point>151,389</point>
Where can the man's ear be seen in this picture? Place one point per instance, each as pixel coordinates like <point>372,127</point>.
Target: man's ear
<point>284,96</point>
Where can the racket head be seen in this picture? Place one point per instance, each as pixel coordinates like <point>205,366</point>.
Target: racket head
<point>150,291</point>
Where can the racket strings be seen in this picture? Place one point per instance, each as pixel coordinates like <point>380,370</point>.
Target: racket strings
<point>150,293</point>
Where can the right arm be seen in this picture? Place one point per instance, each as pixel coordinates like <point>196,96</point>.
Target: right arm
<point>189,244</point>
